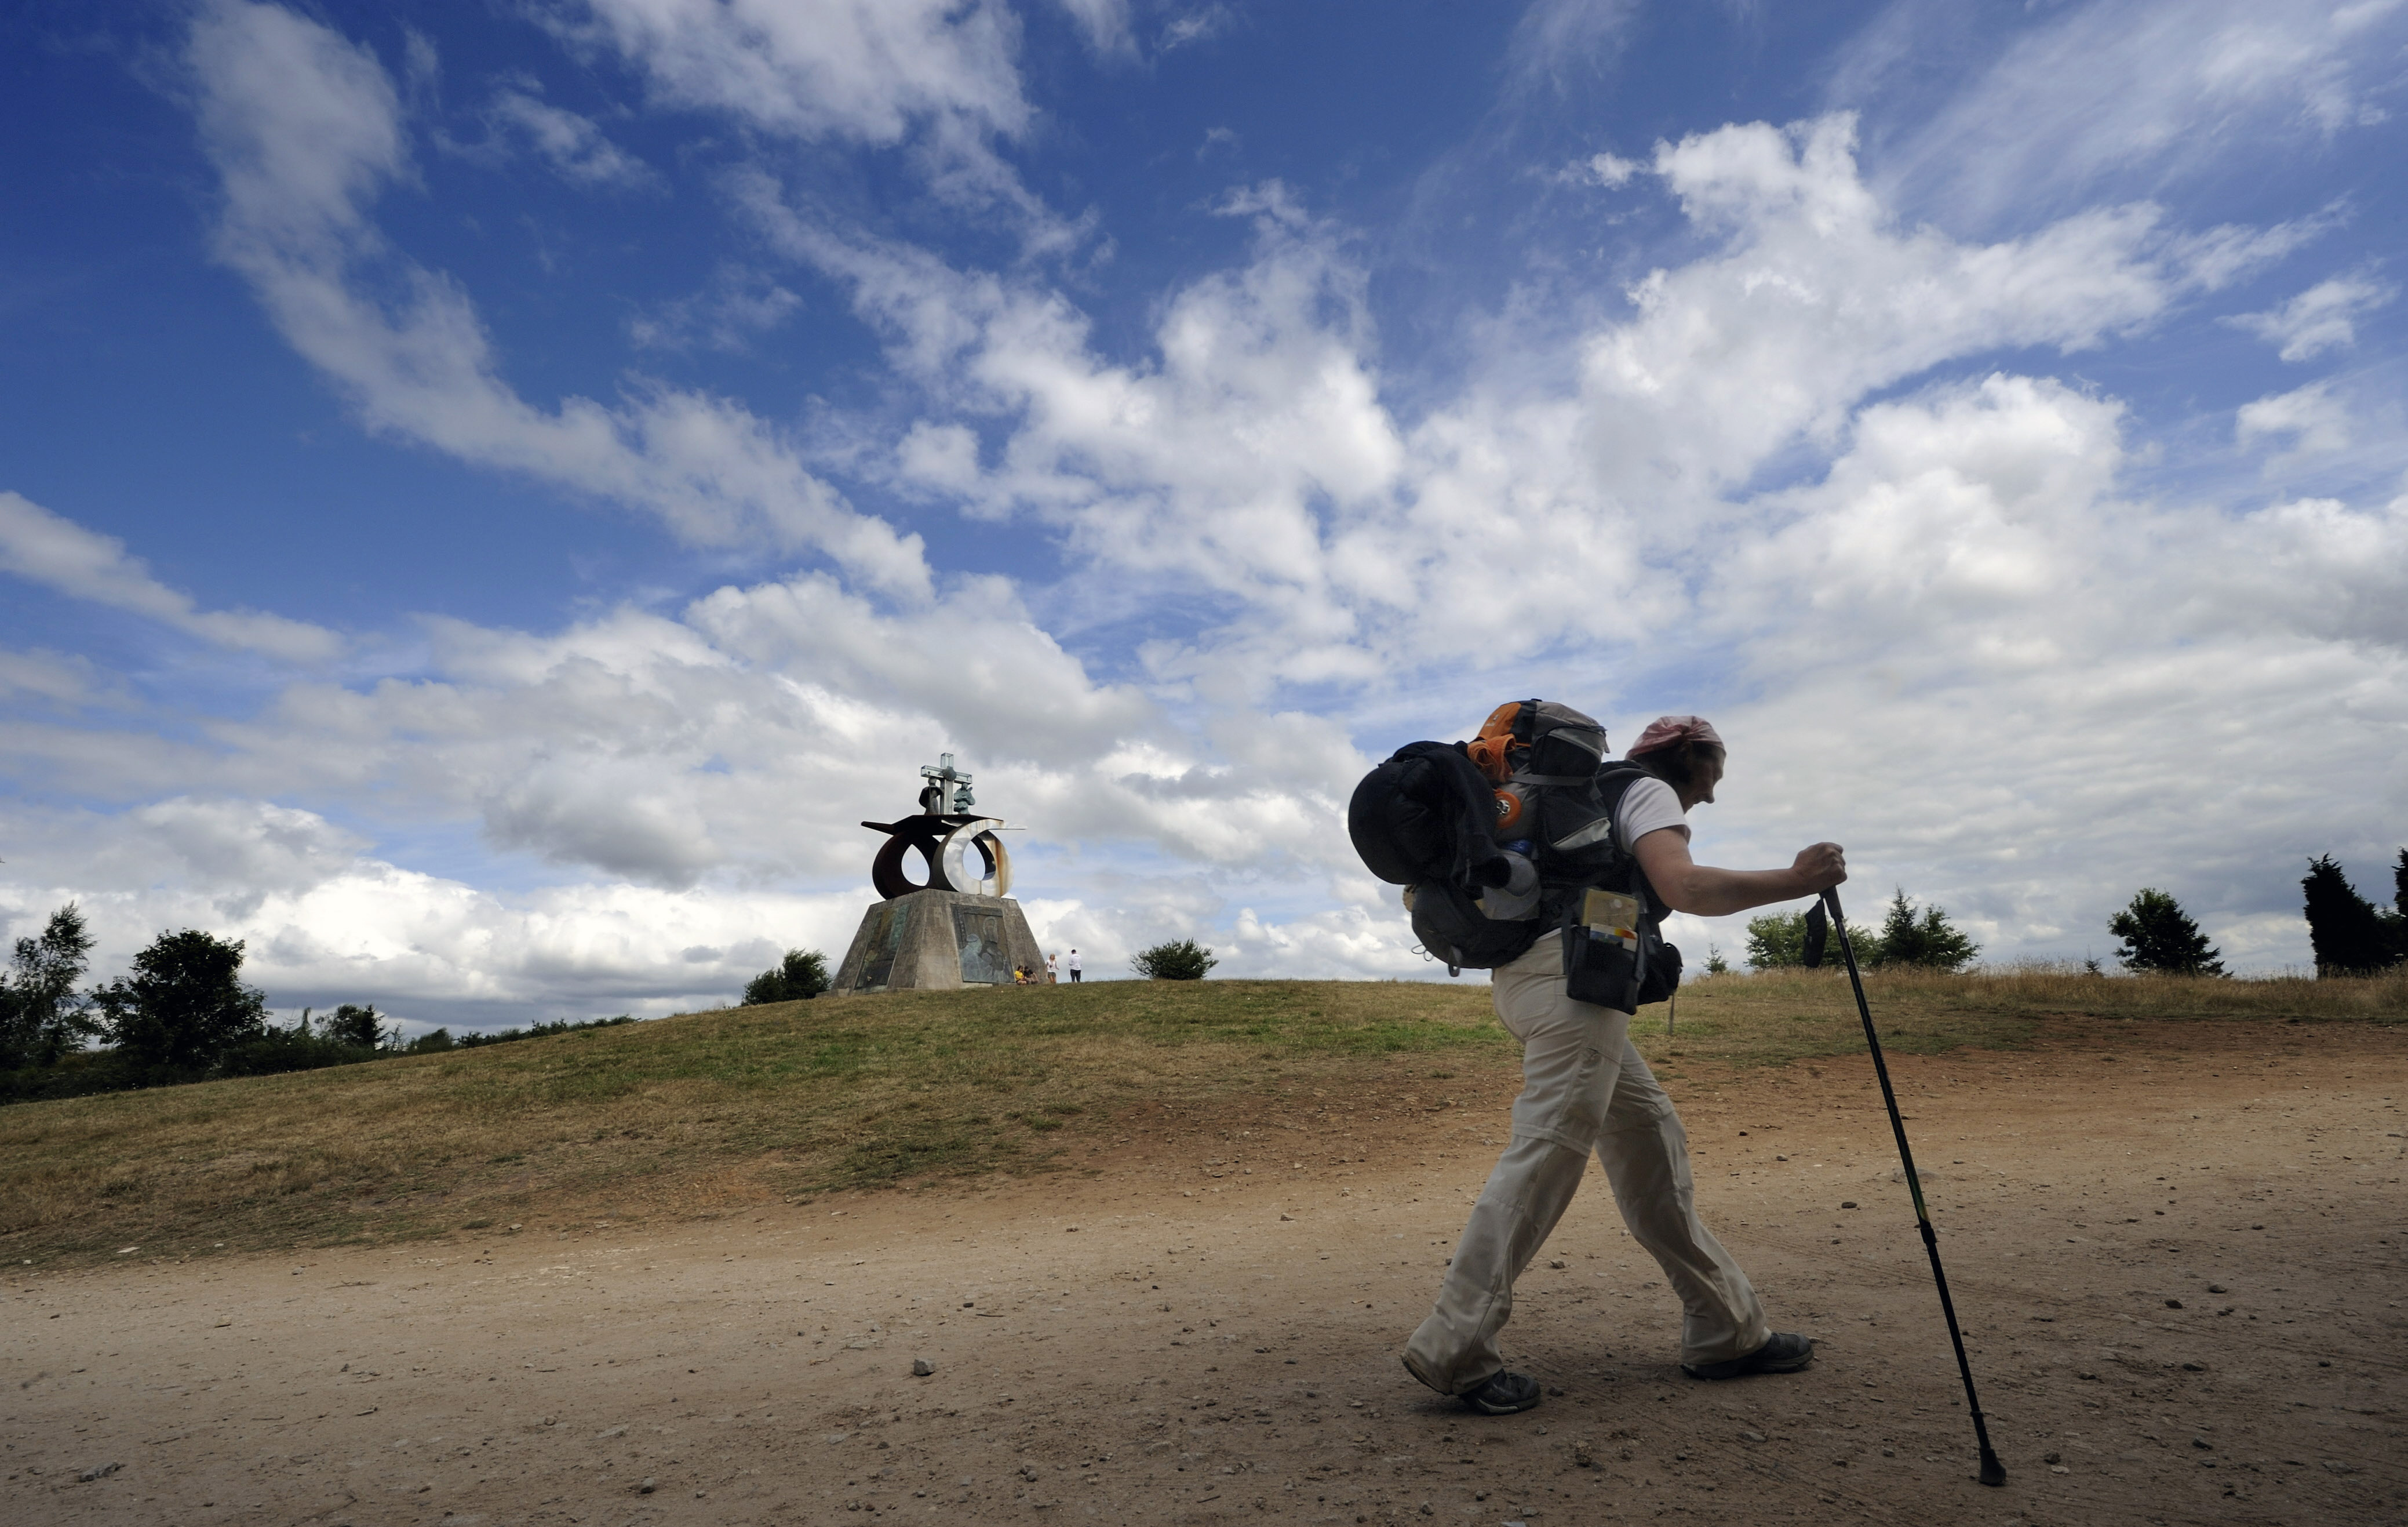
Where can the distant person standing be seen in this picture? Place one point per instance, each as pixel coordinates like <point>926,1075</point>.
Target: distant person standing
<point>1075,967</point>
<point>1054,968</point>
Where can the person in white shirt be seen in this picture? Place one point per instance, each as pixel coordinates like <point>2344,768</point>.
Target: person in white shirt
<point>1585,1089</point>
<point>1054,968</point>
<point>1075,967</point>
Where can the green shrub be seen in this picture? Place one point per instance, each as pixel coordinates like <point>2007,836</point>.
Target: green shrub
<point>1184,960</point>
<point>280,1050</point>
<point>2159,936</point>
<point>801,976</point>
<point>1930,941</point>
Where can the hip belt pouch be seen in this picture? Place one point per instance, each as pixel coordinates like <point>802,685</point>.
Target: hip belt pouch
<point>1601,969</point>
<point>1616,957</point>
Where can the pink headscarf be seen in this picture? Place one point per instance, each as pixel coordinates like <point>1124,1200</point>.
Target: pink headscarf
<point>1673,731</point>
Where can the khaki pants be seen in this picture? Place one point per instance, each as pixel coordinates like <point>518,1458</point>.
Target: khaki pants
<point>1584,1088</point>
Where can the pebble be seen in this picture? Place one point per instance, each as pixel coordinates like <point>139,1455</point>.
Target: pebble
<point>921,1367</point>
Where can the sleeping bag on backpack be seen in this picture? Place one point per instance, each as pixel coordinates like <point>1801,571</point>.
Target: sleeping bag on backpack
<point>1424,820</point>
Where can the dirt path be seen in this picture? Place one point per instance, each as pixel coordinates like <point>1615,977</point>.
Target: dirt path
<point>1198,1323</point>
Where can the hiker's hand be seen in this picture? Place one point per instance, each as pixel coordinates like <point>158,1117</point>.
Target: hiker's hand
<point>1821,867</point>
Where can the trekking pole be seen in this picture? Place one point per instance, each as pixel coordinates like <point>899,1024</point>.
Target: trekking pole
<point>1993,1471</point>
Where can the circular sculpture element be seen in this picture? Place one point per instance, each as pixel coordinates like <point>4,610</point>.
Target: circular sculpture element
<point>993,875</point>
<point>960,852</point>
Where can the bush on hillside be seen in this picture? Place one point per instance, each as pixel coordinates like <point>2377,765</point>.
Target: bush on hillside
<point>1183,960</point>
<point>1929,941</point>
<point>360,1027</point>
<point>1777,939</point>
<point>2161,938</point>
<point>275,1051</point>
<point>533,1030</point>
<point>801,976</point>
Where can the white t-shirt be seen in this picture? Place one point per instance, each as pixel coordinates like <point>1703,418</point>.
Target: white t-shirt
<point>1648,806</point>
<point>1074,959</point>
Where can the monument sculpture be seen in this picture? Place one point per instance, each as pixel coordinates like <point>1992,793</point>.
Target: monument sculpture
<point>957,926</point>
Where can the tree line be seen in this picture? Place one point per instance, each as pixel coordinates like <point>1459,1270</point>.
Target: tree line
<point>2349,934</point>
<point>182,1014</point>
<point>1928,940</point>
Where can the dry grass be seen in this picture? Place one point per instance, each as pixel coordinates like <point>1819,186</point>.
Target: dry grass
<point>712,1111</point>
<point>1777,1017</point>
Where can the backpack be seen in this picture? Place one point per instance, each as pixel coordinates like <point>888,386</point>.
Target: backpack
<point>1499,841</point>
<point>1426,820</point>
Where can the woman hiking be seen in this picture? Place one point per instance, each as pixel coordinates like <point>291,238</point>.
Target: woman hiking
<point>1585,1090</point>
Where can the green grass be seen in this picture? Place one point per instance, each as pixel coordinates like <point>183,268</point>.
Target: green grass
<point>713,1112</point>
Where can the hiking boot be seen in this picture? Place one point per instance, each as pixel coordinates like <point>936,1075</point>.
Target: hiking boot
<point>1504,1393</point>
<point>1786,1353</point>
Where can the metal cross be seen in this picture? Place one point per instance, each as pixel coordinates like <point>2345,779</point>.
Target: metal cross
<point>949,789</point>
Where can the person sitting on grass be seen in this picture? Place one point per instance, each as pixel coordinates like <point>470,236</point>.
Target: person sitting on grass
<point>1585,1089</point>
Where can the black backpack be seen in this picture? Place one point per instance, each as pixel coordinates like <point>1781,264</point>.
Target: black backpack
<point>1430,820</point>
<point>1424,820</point>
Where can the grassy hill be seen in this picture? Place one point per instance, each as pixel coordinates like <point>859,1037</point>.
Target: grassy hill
<point>709,1111</point>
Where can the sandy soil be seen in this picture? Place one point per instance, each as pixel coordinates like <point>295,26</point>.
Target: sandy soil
<point>2178,1252</point>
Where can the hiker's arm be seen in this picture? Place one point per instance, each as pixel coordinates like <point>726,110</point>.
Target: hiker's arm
<point>1704,891</point>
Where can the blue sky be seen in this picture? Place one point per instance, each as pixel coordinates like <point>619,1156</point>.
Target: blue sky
<point>490,496</point>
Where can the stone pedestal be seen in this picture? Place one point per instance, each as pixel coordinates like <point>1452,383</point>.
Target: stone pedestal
<point>938,940</point>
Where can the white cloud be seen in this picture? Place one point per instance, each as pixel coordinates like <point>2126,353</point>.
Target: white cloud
<point>1197,24</point>
<point>734,310</point>
<point>1567,45</point>
<point>2229,252</point>
<point>304,128</point>
<point>59,678</point>
<point>2025,698</point>
<point>51,550</point>
<point>861,69</point>
<point>1611,170</point>
<point>2113,91</point>
<point>325,922</point>
<point>1105,22</point>
<point>937,76</point>
<point>2315,420</point>
<point>2324,317</point>
<point>572,145</point>
<point>1252,455</point>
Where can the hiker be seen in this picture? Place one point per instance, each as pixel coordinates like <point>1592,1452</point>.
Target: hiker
<point>1585,1090</point>
<point>1075,967</point>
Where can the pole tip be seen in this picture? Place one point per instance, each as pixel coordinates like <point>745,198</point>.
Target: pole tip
<point>1993,1471</point>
